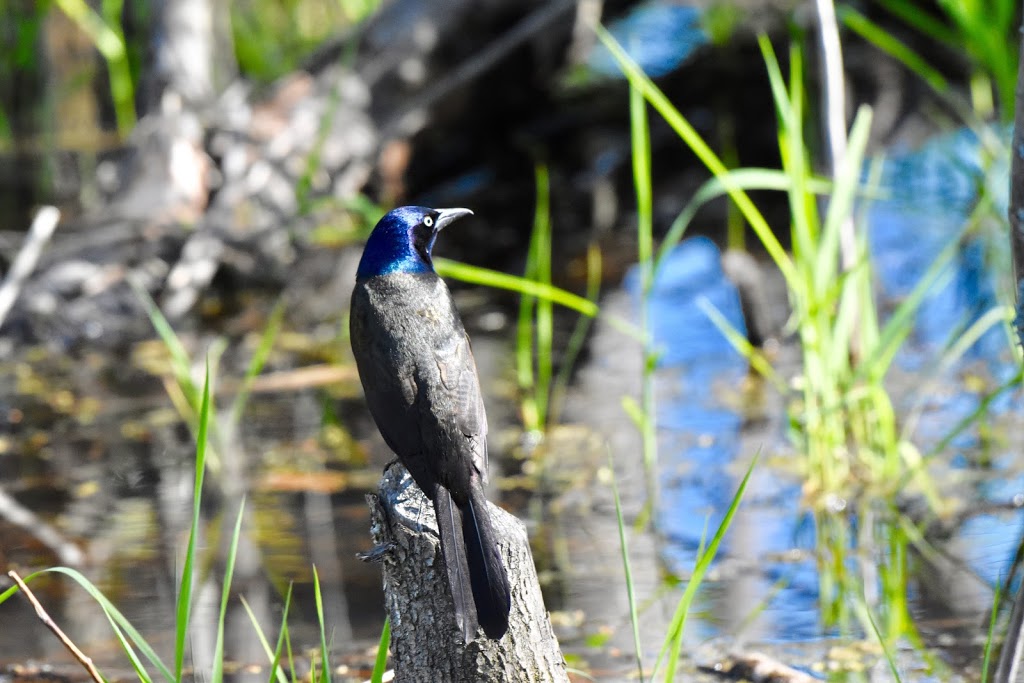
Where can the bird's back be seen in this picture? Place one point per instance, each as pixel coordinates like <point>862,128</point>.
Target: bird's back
<point>420,377</point>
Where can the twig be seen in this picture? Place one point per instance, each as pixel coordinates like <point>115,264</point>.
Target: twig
<point>39,234</point>
<point>50,624</point>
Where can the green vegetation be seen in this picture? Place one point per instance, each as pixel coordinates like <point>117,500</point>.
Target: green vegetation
<point>645,415</point>
<point>843,419</point>
<point>273,37</point>
<point>983,32</point>
<point>535,327</point>
<point>106,34</point>
<point>844,428</point>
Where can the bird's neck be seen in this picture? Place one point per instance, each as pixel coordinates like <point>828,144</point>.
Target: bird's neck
<point>388,258</point>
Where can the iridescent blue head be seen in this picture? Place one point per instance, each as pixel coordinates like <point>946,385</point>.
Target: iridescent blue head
<point>402,240</point>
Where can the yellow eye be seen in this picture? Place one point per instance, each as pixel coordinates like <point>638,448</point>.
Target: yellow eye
<point>428,221</point>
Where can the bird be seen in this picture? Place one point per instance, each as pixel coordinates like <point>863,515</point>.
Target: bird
<point>421,385</point>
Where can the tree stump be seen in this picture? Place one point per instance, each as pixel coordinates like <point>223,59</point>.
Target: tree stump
<point>426,644</point>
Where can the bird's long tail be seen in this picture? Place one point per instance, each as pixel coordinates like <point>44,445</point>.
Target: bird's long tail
<point>476,573</point>
<point>487,574</point>
<point>449,526</point>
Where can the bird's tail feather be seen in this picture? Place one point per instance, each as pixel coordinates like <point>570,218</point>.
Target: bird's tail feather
<point>487,574</point>
<point>450,529</point>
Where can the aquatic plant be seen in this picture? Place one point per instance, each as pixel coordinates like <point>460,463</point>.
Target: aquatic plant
<point>644,414</point>
<point>982,31</point>
<point>842,416</point>
<point>535,324</point>
<point>106,34</point>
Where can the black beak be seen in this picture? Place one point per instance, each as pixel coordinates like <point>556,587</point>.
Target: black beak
<point>446,216</point>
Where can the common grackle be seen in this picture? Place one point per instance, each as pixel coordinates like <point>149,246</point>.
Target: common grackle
<point>421,385</point>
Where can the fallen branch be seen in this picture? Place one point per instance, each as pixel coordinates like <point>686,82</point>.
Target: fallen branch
<point>39,234</point>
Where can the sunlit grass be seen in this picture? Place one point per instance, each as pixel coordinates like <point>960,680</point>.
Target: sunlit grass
<point>535,323</point>
<point>983,31</point>
<point>844,426</point>
<point>673,643</point>
<point>645,415</point>
<point>844,422</point>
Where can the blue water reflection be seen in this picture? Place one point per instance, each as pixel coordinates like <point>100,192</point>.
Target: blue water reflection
<point>658,35</point>
<point>932,192</point>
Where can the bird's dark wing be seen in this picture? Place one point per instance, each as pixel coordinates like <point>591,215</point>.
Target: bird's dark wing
<point>457,369</point>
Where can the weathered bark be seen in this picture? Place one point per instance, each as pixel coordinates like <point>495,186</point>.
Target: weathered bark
<point>426,644</point>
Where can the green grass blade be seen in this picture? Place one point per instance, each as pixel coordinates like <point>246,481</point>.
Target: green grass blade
<point>840,207</point>
<point>276,672</point>
<point>892,46</point>
<point>259,360</point>
<point>117,620</point>
<point>699,147</point>
<point>900,323</point>
<point>217,675</point>
<point>910,12</point>
<point>674,639</point>
<point>641,156</point>
<point>642,186</point>
<point>493,278</point>
<point>990,638</point>
<point>886,650</point>
<point>184,606</point>
<point>545,319</point>
<point>381,662</point>
<point>284,639</point>
<point>634,616</point>
<point>525,376</point>
<point>325,669</point>
<point>181,363</point>
<point>740,178</point>
<point>972,418</point>
<point>739,341</point>
<point>579,333</point>
<point>109,41</point>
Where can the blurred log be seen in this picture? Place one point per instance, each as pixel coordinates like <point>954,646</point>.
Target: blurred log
<point>426,643</point>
